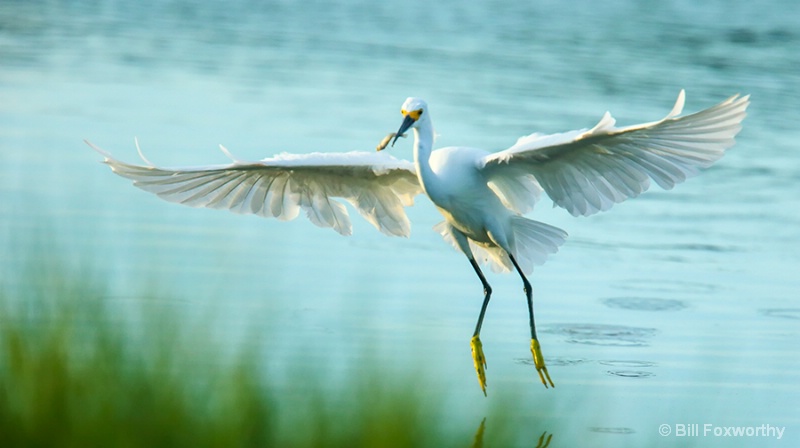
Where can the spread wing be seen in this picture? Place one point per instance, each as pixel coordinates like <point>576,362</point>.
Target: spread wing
<point>588,171</point>
<point>376,184</point>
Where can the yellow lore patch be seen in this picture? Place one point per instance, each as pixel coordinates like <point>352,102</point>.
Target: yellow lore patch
<point>414,114</point>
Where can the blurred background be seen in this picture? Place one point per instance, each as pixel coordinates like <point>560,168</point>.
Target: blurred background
<point>678,307</point>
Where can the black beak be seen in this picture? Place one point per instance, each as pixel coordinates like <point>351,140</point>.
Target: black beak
<point>407,122</point>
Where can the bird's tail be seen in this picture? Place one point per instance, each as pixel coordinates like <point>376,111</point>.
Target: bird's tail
<point>533,242</point>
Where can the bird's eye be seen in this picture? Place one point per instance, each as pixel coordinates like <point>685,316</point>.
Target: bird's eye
<point>414,114</point>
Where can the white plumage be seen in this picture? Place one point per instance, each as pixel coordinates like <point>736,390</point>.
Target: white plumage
<point>588,171</point>
<point>482,195</point>
<point>376,184</point>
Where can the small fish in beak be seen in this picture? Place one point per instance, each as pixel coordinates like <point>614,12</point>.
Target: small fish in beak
<point>385,142</point>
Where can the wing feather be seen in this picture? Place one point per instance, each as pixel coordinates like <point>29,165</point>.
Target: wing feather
<point>376,184</point>
<point>588,171</point>
<point>227,194</point>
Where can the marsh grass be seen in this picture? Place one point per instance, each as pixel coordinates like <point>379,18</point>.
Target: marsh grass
<point>73,374</point>
<point>76,369</point>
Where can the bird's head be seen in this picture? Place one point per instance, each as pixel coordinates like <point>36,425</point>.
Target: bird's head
<point>414,111</point>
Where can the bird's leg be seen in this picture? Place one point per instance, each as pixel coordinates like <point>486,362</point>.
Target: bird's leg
<point>477,348</point>
<point>536,350</point>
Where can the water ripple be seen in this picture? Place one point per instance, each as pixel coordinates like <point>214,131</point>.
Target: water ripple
<point>630,373</point>
<point>611,430</point>
<point>639,364</point>
<point>781,313</point>
<point>561,362</point>
<point>599,334</point>
<point>676,286</point>
<point>644,304</point>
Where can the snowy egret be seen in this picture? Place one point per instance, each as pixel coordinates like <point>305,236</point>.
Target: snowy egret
<point>482,195</point>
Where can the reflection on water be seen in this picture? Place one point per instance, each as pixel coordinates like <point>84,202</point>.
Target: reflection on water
<point>544,440</point>
<point>700,281</point>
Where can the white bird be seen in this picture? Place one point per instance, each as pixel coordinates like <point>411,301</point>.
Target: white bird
<point>482,195</point>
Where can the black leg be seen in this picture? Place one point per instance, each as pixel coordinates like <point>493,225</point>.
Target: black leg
<point>477,347</point>
<point>528,295</point>
<point>538,359</point>
<point>487,294</point>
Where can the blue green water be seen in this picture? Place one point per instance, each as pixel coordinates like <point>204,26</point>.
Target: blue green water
<point>676,308</point>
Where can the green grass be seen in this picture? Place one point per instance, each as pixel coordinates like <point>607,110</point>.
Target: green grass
<point>78,370</point>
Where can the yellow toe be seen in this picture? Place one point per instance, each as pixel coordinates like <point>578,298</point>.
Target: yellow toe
<point>480,361</point>
<point>538,361</point>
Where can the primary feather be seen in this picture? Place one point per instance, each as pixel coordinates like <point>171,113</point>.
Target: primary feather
<point>376,184</point>
<point>588,171</point>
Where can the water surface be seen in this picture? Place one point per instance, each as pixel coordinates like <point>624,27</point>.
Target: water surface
<point>678,307</point>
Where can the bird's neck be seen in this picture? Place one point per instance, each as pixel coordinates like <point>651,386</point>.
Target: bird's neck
<point>423,143</point>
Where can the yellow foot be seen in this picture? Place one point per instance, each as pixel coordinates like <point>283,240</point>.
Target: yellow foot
<point>480,361</point>
<point>538,361</point>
